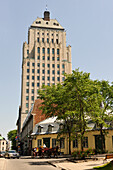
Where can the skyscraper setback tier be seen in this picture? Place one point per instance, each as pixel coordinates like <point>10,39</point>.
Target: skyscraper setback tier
<point>45,59</point>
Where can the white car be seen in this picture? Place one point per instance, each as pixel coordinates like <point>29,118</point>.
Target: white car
<point>12,154</point>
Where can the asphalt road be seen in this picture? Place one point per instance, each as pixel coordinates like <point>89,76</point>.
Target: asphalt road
<point>25,164</point>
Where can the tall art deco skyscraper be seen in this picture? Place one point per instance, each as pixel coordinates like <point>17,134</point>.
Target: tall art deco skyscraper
<point>45,59</point>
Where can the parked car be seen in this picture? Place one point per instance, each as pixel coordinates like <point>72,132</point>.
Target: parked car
<point>2,153</point>
<point>12,154</point>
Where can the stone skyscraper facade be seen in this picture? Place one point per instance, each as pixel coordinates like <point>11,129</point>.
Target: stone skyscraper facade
<point>45,59</point>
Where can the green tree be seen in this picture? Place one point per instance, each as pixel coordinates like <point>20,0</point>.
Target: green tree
<point>103,104</point>
<point>69,102</point>
<point>11,136</point>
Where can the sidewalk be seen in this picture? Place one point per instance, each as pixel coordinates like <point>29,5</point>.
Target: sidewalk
<point>69,164</point>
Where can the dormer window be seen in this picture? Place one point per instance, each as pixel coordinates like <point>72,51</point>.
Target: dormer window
<point>61,126</point>
<point>40,129</point>
<point>50,128</point>
<point>46,22</point>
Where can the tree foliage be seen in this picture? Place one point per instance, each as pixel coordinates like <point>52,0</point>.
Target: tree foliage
<point>11,136</point>
<point>77,100</point>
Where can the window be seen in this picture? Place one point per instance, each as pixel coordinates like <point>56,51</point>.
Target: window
<point>27,105</point>
<point>57,41</point>
<point>33,70</point>
<point>48,78</point>
<point>32,91</point>
<point>38,84</point>
<point>58,51</point>
<point>38,33</point>
<point>57,35</point>
<point>53,50</point>
<point>112,141</point>
<point>32,84</point>
<point>48,84</point>
<point>39,129</point>
<point>38,64</point>
<point>43,64</point>
<point>27,77</point>
<point>38,77</point>
<point>27,97</point>
<point>58,58</point>
<point>53,71</point>
<point>38,49</point>
<point>27,70</point>
<point>43,33</point>
<point>43,71</point>
<point>58,78</point>
<point>48,71</point>
<point>52,34</point>
<point>43,57</point>
<point>43,50</point>
<point>38,71</point>
<point>58,72</point>
<point>43,40</point>
<point>53,58</point>
<point>54,143</point>
<point>58,66</point>
<point>85,144</point>
<point>32,98</point>
<point>33,64</point>
<point>48,65</point>
<point>27,90</point>
<point>75,143</point>
<point>38,39</point>
<point>62,72</point>
<point>62,65</point>
<point>27,52</point>
<point>62,143</point>
<point>27,63</point>
<point>53,78</point>
<point>43,77</point>
<point>39,144</point>
<point>38,57</point>
<point>53,65</point>
<point>48,50</point>
<point>63,78</point>
<point>47,33</point>
<point>33,77</point>
<point>26,111</point>
<point>61,126</point>
<point>27,83</point>
<point>47,40</point>
<point>48,58</point>
<point>52,41</point>
<point>50,128</point>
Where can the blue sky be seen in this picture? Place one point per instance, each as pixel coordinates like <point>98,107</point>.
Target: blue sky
<point>89,28</point>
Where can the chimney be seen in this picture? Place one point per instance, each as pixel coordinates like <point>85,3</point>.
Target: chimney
<point>47,16</point>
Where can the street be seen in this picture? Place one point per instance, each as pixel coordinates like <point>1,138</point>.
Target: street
<point>26,163</point>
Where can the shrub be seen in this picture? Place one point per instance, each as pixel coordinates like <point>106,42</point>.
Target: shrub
<point>83,154</point>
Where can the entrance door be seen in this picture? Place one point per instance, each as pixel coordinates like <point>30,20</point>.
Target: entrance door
<point>46,141</point>
<point>98,145</point>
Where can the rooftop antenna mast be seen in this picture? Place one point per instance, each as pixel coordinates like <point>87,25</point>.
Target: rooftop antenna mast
<point>46,7</point>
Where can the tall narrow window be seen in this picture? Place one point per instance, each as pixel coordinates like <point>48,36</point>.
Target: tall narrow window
<point>53,50</point>
<point>85,144</point>
<point>38,39</point>
<point>43,50</point>
<point>43,40</point>
<point>38,49</point>
<point>48,50</point>
<point>58,51</point>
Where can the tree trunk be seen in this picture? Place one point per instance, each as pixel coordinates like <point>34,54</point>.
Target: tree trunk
<point>69,144</point>
<point>102,139</point>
